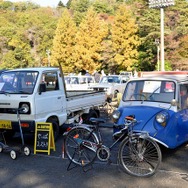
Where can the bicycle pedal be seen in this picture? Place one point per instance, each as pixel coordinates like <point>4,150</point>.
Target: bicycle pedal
<point>86,168</point>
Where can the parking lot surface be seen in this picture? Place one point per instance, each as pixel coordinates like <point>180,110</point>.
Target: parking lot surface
<point>49,171</point>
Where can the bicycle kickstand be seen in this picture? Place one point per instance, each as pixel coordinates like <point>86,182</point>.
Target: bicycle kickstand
<point>69,166</point>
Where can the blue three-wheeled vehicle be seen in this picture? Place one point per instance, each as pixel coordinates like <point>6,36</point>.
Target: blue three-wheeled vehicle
<point>159,101</point>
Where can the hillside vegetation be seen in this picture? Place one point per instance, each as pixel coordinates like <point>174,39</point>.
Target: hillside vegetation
<point>112,35</point>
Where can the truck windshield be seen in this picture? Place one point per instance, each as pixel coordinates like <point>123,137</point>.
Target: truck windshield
<point>150,90</point>
<point>18,82</point>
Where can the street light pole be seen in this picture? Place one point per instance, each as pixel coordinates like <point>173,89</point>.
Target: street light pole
<point>158,54</point>
<point>162,39</point>
<point>48,54</point>
<point>161,4</point>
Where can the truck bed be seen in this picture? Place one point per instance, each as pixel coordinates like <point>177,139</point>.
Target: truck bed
<point>77,100</point>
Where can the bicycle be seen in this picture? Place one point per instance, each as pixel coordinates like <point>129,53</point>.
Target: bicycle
<point>138,154</point>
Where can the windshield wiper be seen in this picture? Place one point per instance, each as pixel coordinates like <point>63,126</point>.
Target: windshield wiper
<point>24,92</point>
<point>4,92</point>
<point>15,92</point>
<point>150,96</point>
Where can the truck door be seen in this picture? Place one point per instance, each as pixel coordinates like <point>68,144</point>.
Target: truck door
<point>51,102</point>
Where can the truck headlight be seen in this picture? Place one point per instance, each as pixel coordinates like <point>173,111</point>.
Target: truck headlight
<point>161,118</point>
<point>116,115</point>
<point>24,108</point>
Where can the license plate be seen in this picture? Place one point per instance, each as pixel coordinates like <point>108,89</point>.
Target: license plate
<point>5,124</point>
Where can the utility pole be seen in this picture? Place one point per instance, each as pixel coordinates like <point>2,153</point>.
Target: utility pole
<point>157,42</point>
<point>161,4</point>
<point>48,54</point>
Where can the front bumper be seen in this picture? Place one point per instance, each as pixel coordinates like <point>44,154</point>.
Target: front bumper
<point>27,126</point>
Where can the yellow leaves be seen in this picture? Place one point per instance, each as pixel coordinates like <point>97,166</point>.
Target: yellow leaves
<point>89,44</point>
<point>64,41</point>
<point>89,37</point>
<point>124,38</point>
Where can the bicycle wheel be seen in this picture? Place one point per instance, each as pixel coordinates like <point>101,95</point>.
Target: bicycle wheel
<point>139,157</point>
<point>75,150</point>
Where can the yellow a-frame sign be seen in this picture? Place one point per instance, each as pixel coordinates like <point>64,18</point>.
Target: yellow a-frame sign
<point>44,138</point>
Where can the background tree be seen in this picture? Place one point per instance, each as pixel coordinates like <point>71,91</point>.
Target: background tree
<point>64,43</point>
<point>79,9</point>
<point>176,33</point>
<point>27,31</point>
<point>125,40</point>
<point>148,21</point>
<point>103,6</point>
<point>90,36</point>
<point>60,4</point>
<point>149,30</point>
<point>25,34</point>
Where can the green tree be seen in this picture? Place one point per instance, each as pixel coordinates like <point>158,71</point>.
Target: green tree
<point>79,8</point>
<point>26,35</point>
<point>103,7</point>
<point>60,4</point>
<point>149,30</point>
<point>64,42</point>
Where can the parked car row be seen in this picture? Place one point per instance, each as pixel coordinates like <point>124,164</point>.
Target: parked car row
<point>112,84</point>
<point>79,82</point>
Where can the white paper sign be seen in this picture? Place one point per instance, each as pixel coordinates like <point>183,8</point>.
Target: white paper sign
<point>151,86</point>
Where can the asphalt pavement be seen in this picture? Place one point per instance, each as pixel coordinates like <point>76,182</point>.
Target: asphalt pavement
<point>50,171</point>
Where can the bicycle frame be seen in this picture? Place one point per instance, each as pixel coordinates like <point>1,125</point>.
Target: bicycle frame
<point>84,143</point>
<point>94,129</point>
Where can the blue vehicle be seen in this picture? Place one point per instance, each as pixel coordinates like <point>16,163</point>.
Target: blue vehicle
<point>159,101</point>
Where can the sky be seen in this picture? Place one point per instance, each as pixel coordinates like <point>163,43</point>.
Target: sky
<point>51,3</point>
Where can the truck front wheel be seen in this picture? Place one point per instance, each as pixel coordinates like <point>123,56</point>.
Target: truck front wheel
<point>55,126</point>
<point>86,117</point>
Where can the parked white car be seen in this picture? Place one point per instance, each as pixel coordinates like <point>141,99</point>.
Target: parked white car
<point>113,84</point>
<point>79,82</point>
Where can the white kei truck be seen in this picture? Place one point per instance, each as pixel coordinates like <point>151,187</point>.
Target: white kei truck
<point>40,93</point>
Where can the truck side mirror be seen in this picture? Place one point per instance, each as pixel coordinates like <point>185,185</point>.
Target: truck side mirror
<point>42,88</point>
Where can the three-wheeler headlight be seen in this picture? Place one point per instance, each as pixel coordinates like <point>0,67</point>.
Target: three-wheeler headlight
<point>161,118</point>
<point>116,115</point>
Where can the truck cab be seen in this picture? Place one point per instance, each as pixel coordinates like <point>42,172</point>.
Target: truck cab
<point>42,95</point>
<point>159,101</point>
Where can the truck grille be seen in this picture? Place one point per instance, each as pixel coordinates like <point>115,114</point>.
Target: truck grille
<point>8,110</point>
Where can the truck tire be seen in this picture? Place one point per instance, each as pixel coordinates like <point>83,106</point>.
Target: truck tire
<point>55,126</point>
<point>86,117</point>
